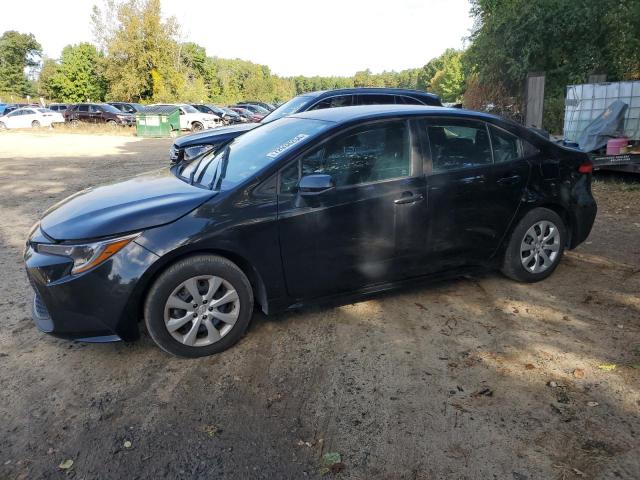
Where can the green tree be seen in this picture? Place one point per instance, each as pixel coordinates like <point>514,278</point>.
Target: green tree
<point>142,54</point>
<point>566,39</point>
<point>18,51</point>
<point>47,71</point>
<point>77,78</point>
<point>448,81</point>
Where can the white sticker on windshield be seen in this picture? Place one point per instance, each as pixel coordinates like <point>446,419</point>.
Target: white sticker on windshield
<point>287,145</point>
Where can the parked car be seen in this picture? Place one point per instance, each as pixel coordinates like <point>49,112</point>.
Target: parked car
<point>192,119</point>
<point>247,114</point>
<point>304,102</point>
<point>126,107</point>
<point>30,117</point>
<point>336,203</point>
<point>212,110</point>
<point>14,106</point>
<point>58,107</point>
<point>235,117</point>
<point>265,105</point>
<point>98,113</point>
<point>255,109</point>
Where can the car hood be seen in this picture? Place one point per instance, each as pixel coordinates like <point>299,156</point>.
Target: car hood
<point>214,135</point>
<point>145,201</point>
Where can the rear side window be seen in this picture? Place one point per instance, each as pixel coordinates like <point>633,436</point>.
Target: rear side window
<point>83,108</point>
<point>333,102</point>
<point>528,149</point>
<point>402,100</point>
<point>367,154</point>
<point>505,145</point>
<point>458,144</point>
<point>376,99</point>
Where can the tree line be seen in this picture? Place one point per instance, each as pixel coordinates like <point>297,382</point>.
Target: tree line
<point>136,55</point>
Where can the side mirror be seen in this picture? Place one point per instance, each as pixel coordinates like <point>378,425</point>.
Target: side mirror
<point>314,184</point>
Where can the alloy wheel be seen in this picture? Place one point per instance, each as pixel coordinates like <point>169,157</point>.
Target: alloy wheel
<point>540,247</point>
<point>201,310</point>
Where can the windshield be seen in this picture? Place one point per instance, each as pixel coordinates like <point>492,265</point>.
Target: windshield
<point>287,108</point>
<point>189,109</point>
<point>110,108</point>
<point>250,153</point>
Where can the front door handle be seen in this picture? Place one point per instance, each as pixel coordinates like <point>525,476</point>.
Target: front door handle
<point>509,180</point>
<point>408,197</point>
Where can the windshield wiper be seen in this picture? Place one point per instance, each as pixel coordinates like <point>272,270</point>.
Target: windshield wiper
<point>223,161</point>
<point>193,172</point>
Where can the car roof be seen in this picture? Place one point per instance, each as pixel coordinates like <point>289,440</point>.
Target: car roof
<point>365,112</point>
<point>365,90</point>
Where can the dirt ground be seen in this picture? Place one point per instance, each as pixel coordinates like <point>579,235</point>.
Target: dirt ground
<point>442,381</point>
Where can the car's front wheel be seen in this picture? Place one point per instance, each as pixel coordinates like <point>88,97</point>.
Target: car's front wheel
<point>35,124</point>
<point>2,126</point>
<point>199,306</point>
<point>536,246</point>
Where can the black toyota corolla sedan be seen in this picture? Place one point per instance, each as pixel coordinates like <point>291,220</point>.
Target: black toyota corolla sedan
<point>330,204</point>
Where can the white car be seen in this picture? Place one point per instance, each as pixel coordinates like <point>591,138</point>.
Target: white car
<point>192,119</point>
<point>30,117</point>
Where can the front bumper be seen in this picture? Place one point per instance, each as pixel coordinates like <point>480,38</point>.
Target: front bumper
<point>98,305</point>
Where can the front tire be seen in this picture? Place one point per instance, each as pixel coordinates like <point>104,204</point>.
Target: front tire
<point>535,247</point>
<point>35,124</point>
<point>199,306</point>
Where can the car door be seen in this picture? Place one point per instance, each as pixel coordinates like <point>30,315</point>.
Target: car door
<point>369,228</point>
<point>82,113</point>
<point>95,114</point>
<point>471,200</point>
<point>13,119</point>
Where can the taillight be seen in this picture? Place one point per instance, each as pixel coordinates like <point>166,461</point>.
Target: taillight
<point>586,167</point>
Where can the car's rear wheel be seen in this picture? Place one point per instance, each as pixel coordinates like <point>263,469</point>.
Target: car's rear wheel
<point>35,124</point>
<point>199,306</point>
<point>536,246</point>
<point>196,126</point>
<point>74,123</point>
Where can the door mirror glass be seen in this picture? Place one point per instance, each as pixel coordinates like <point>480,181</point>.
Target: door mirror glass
<point>315,184</point>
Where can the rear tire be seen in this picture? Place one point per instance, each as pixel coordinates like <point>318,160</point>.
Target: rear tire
<point>196,126</point>
<point>210,320</point>
<point>536,246</point>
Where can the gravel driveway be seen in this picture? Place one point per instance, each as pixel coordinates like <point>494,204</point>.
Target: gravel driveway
<point>441,381</point>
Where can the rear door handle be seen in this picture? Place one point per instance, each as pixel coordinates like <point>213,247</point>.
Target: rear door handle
<point>408,197</point>
<point>509,180</point>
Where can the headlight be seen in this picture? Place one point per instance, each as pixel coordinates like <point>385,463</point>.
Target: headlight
<point>88,255</point>
<point>191,152</point>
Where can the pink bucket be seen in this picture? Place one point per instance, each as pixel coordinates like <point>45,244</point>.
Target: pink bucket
<point>615,144</point>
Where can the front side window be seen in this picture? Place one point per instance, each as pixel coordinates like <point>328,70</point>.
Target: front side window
<point>370,153</point>
<point>458,144</point>
<point>83,108</point>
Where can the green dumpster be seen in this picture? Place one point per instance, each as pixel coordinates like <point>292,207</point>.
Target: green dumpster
<point>158,121</point>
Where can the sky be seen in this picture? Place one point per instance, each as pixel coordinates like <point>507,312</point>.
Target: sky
<point>292,37</point>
